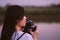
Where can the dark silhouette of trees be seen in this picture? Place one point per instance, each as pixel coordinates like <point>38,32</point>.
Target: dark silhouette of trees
<point>54,5</point>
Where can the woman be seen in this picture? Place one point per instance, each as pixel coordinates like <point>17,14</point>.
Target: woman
<point>13,23</point>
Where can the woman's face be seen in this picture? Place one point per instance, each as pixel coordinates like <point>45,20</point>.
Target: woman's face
<point>22,22</point>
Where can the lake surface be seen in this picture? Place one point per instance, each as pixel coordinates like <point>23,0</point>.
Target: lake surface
<point>47,31</point>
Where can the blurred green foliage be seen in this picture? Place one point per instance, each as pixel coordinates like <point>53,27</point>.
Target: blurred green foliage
<point>37,11</point>
<point>38,14</point>
<point>45,14</point>
<point>2,13</point>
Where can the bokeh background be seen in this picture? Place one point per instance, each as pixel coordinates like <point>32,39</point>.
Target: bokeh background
<point>45,14</point>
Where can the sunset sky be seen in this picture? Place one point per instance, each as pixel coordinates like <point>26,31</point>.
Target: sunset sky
<point>29,2</point>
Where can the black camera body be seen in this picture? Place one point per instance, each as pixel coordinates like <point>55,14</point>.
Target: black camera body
<point>30,26</point>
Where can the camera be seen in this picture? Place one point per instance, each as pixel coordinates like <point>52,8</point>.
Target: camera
<point>30,26</point>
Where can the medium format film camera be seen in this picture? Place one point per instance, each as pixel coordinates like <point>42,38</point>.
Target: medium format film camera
<point>30,26</point>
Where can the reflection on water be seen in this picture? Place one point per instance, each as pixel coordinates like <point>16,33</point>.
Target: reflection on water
<point>0,30</point>
<point>47,31</point>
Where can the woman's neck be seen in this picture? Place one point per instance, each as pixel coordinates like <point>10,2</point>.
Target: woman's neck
<point>18,28</point>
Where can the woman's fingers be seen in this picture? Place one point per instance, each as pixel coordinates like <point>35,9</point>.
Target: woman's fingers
<point>34,34</point>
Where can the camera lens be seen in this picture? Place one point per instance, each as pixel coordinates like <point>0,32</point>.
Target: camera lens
<point>30,26</point>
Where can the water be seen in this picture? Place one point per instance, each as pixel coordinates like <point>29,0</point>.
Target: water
<point>0,30</point>
<point>47,31</point>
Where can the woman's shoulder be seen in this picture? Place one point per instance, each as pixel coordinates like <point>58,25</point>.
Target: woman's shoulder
<point>28,36</point>
<point>25,34</point>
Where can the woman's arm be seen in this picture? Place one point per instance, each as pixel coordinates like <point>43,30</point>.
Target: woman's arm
<point>35,35</point>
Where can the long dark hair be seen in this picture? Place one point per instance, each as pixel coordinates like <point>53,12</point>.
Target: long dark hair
<point>13,13</point>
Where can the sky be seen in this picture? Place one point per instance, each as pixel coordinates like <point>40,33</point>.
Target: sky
<point>29,2</point>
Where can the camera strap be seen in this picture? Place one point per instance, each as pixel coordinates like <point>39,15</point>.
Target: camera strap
<point>21,36</point>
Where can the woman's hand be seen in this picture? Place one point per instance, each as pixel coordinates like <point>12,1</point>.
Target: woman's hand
<point>35,34</point>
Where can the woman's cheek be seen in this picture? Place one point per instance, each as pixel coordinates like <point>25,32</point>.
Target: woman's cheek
<point>23,23</point>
